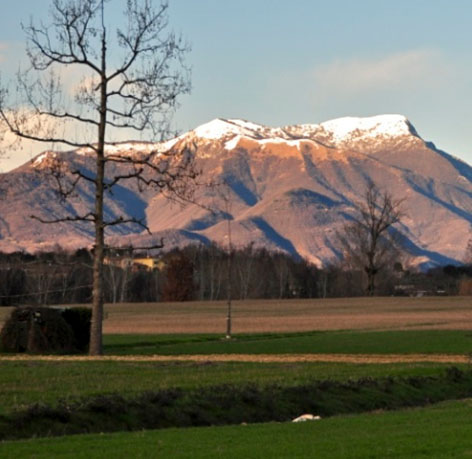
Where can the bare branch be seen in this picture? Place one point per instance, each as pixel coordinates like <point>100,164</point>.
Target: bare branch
<point>18,131</point>
<point>78,218</point>
<point>67,115</point>
<point>81,175</point>
<point>160,245</point>
<point>124,221</point>
<point>70,45</point>
<point>119,178</point>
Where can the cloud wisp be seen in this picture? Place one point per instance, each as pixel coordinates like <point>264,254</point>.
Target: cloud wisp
<point>3,49</point>
<point>405,70</point>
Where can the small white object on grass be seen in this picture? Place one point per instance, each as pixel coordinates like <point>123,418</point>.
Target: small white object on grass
<point>306,417</point>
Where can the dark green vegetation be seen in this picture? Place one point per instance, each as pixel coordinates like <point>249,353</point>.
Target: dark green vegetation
<point>233,404</point>
<point>24,383</point>
<point>40,330</point>
<point>59,397</point>
<point>79,320</point>
<point>439,431</point>
<point>345,342</point>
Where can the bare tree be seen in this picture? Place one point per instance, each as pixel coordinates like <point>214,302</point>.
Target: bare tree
<point>128,81</point>
<point>468,253</point>
<point>368,242</point>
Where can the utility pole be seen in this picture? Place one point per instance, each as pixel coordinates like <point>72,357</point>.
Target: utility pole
<point>225,195</point>
<point>229,267</point>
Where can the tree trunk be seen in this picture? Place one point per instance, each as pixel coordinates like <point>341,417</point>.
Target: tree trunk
<point>96,347</point>
<point>96,340</point>
<point>370,285</point>
<point>124,281</point>
<point>371,272</point>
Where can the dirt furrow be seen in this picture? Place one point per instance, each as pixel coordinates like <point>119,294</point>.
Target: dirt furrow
<point>263,358</point>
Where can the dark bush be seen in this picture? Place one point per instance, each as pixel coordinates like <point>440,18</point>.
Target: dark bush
<point>37,330</point>
<point>40,411</point>
<point>113,404</point>
<point>79,320</point>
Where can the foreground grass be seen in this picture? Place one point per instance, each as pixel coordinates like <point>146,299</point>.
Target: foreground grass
<point>232,404</point>
<point>25,383</point>
<point>346,342</point>
<point>439,431</point>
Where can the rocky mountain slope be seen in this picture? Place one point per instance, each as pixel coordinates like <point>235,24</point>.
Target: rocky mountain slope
<point>288,189</point>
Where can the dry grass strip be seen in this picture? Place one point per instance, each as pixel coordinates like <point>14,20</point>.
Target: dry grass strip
<point>261,358</point>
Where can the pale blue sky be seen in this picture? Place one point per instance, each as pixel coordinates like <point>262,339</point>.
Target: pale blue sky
<point>306,61</point>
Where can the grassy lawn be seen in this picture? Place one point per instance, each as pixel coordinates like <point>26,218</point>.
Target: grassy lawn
<point>345,342</point>
<point>27,382</point>
<point>440,431</point>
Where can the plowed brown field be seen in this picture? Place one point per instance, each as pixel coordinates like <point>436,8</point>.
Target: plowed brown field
<point>380,313</point>
<point>292,315</point>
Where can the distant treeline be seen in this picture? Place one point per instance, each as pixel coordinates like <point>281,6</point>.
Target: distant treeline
<point>204,273</point>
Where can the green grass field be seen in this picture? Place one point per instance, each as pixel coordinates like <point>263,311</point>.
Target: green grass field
<point>440,431</point>
<point>345,342</point>
<point>25,383</point>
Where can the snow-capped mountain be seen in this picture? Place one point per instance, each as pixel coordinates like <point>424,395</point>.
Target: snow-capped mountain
<point>288,188</point>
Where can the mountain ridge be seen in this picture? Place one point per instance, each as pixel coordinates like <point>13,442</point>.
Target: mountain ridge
<point>290,188</point>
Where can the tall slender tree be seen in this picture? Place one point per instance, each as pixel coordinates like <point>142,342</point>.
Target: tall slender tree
<point>128,80</point>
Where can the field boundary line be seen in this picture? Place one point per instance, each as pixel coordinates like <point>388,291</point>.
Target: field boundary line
<point>261,358</point>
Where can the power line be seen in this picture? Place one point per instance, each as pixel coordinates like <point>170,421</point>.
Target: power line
<point>45,292</point>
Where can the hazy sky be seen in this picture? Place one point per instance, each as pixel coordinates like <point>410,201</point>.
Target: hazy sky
<point>279,62</point>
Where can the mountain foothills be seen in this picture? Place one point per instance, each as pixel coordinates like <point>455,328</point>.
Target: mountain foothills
<point>288,189</point>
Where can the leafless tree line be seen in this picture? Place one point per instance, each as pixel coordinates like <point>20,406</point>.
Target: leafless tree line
<point>199,273</point>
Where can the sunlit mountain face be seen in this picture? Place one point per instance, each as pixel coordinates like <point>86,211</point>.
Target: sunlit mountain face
<point>286,189</point>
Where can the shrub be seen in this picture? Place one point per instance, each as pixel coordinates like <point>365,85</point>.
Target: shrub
<point>37,330</point>
<point>79,320</point>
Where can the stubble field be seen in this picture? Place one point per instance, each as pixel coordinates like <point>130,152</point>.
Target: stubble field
<point>259,316</point>
<point>272,316</point>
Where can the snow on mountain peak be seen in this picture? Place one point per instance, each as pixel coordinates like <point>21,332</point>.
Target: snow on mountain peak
<point>216,129</point>
<point>220,128</point>
<point>248,125</point>
<point>138,147</point>
<point>350,128</point>
<point>347,132</point>
<point>337,130</point>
